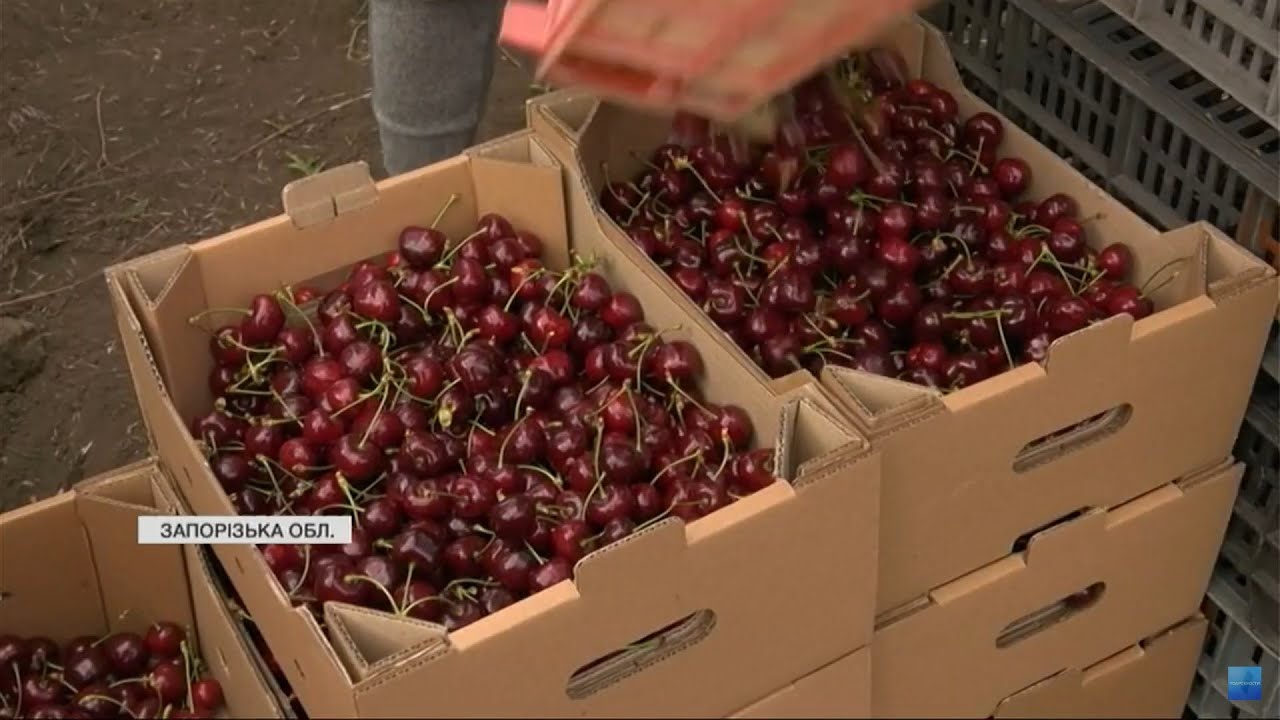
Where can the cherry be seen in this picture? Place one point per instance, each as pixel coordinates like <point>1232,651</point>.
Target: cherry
<point>420,247</point>
<point>460,613</point>
<point>1115,261</point>
<point>232,470</point>
<point>754,470</point>
<point>1066,247</point>
<point>983,128</point>
<point>847,167</point>
<point>621,310</point>
<point>553,572</point>
<point>376,300</point>
<point>1128,299</point>
<point>169,681</point>
<point>513,518</point>
<point>1054,207</point>
<point>511,568</point>
<point>474,496</point>
<point>164,640</point>
<point>419,599</point>
<point>571,540</point>
<point>41,690</point>
<point>899,305</point>
<point>264,321</point>
<point>967,369</point>
<point>206,694</point>
<point>1012,175</point>
<point>127,653</point>
<point>86,666</point>
<point>336,581</point>
<point>1064,315</point>
<point>358,460</point>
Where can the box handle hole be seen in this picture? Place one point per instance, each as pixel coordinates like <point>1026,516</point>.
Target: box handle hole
<point>637,656</point>
<point>1050,615</point>
<point>1068,439</point>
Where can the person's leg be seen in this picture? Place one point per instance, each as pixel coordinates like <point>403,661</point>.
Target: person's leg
<point>432,62</point>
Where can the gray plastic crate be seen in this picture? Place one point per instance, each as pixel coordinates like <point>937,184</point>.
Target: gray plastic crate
<point>1234,43</point>
<point>1230,641</point>
<point>1122,109</point>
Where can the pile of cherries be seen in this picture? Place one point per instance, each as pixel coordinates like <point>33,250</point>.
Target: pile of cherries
<point>879,231</point>
<point>486,420</point>
<point>124,675</point>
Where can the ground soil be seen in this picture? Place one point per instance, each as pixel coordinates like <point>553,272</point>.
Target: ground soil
<point>130,125</point>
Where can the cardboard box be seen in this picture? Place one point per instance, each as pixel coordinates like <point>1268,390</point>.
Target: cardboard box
<point>839,690</point>
<point>70,565</point>
<point>1148,400</point>
<point>1078,590</point>
<point>1148,679</point>
<point>729,580</point>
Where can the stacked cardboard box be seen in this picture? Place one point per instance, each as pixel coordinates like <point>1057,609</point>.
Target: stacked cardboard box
<point>70,567</point>
<point>1038,523</point>
<point>721,612</point>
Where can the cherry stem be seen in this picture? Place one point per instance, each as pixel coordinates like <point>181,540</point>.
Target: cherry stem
<point>375,583</point>
<point>306,568</point>
<point>636,210</point>
<point>534,553</point>
<point>673,464</point>
<point>684,164</point>
<point>195,319</point>
<point>1053,260</point>
<point>444,261</point>
<point>599,478</point>
<point>555,479</point>
<point>515,294</point>
<point>286,296</point>
<point>352,506</point>
<point>440,215</point>
<point>1004,342</point>
<point>1143,292</point>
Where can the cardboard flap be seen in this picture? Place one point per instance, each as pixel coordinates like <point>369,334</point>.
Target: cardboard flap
<point>875,403</point>
<point>522,183</point>
<point>325,195</point>
<point>62,604</point>
<point>367,640</point>
<point>1076,355</point>
<point>604,571</point>
<point>112,527</point>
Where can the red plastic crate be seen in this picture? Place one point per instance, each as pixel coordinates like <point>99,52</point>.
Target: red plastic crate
<point>718,58</point>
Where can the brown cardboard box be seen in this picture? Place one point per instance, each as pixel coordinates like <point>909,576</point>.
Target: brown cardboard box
<point>730,579</point>
<point>1078,590</point>
<point>1162,396</point>
<point>1148,679</point>
<point>839,690</point>
<point>70,565</point>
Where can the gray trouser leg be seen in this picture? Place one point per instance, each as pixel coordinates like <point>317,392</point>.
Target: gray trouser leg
<point>432,62</point>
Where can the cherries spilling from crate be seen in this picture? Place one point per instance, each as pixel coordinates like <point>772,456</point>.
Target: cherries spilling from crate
<point>880,231</point>
<point>487,422</point>
<point>124,675</point>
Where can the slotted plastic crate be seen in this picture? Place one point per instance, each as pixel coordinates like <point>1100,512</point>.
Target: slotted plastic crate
<point>1123,110</point>
<point>1230,641</point>
<point>719,58</point>
<point>1234,43</point>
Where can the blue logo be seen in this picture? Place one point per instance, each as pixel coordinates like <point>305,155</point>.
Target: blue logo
<point>1244,683</point>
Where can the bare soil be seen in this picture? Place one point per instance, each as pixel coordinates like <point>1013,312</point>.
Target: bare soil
<point>130,125</point>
